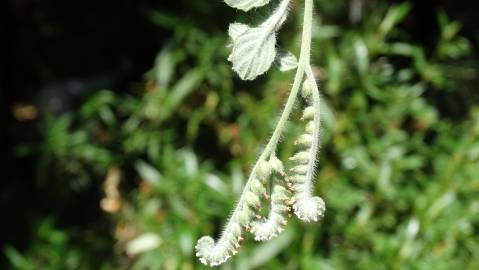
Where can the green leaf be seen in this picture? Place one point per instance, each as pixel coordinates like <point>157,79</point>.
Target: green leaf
<point>394,16</point>
<point>254,50</point>
<point>164,66</point>
<point>148,172</point>
<point>237,29</point>
<point>287,61</point>
<point>181,89</point>
<point>16,259</point>
<point>143,243</point>
<point>362,56</point>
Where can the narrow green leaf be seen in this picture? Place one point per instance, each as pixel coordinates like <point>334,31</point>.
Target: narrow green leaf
<point>148,172</point>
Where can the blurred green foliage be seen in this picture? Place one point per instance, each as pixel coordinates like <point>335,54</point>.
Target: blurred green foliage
<point>398,170</point>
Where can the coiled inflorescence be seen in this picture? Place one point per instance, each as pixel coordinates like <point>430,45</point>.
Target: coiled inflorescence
<point>305,206</point>
<point>211,253</point>
<point>273,225</point>
<point>215,253</point>
<point>253,53</point>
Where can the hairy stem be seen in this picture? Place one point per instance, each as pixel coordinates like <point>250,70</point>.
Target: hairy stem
<point>304,61</point>
<point>317,125</point>
<point>216,253</point>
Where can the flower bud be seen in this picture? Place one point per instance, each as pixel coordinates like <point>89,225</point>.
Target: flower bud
<point>263,169</point>
<point>280,194</point>
<point>300,169</point>
<point>309,209</point>
<point>302,157</point>
<point>235,229</point>
<point>244,216</point>
<point>272,226</point>
<point>305,140</point>
<point>310,127</point>
<point>282,208</point>
<point>257,187</point>
<point>308,113</point>
<point>276,165</point>
<point>252,199</point>
<point>306,89</point>
<point>299,179</point>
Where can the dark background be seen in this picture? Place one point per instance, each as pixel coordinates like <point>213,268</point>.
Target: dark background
<point>64,50</point>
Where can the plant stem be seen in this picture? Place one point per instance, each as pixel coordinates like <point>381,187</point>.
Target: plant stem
<point>303,65</point>
<point>303,62</point>
<point>317,124</point>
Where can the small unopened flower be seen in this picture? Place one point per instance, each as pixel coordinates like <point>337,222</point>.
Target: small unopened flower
<point>273,225</point>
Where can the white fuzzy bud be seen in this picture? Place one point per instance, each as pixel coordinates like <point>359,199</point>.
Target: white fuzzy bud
<point>310,127</point>
<point>299,179</point>
<point>273,225</point>
<point>257,187</point>
<point>211,253</point>
<point>276,165</point>
<point>244,215</point>
<point>263,169</point>
<point>305,140</point>
<point>308,113</point>
<point>300,169</point>
<point>309,209</point>
<point>252,199</point>
<point>302,157</point>
<point>306,89</point>
<point>203,247</point>
<point>279,195</point>
<point>268,229</point>
<point>235,230</point>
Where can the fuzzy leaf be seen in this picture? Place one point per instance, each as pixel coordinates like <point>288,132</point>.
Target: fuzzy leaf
<point>287,61</point>
<point>246,5</point>
<point>253,52</point>
<point>237,29</point>
<point>254,49</point>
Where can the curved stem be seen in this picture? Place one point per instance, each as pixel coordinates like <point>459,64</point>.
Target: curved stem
<point>303,62</point>
<point>279,13</point>
<point>317,125</point>
<point>270,149</point>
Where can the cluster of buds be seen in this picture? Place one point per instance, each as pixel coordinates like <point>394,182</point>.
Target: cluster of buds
<point>211,253</point>
<point>305,206</point>
<point>253,51</point>
<point>295,190</point>
<point>273,225</point>
<point>243,219</point>
<point>270,227</point>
